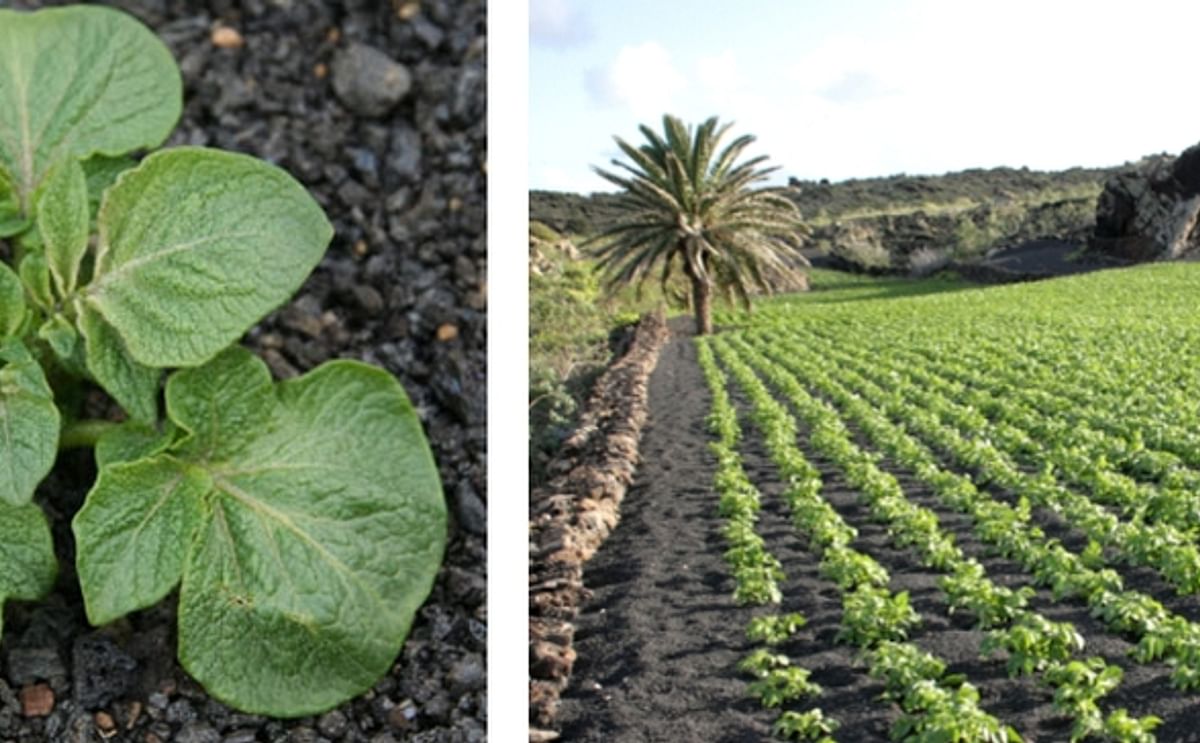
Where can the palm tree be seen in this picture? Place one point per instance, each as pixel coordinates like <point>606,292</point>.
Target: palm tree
<point>682,207</point>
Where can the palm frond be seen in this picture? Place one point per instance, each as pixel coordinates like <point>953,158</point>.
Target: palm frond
<point>688,203</point>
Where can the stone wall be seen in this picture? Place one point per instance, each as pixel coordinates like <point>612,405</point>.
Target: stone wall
<point>575,512</point>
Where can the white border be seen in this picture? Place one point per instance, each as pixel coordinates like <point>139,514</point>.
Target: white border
<point>508,370</point>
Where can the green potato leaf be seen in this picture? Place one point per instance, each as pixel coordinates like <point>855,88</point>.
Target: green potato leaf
<point>29,424</point>
<point>35,274</point>
<point>75,82</point>
<point>12,222</point>
<point>146,511</point>
<point>132,384</point>
<point>27,563</point>
<point>196,246</point>
<point>101,172</point>
<point>131,441</point>
<point>12,302</point>
<point>64,341</point>
<point>62,220</point>
<point>304,522</point>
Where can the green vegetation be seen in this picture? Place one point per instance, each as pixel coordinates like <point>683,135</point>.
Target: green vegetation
<point>880,223</point>
<point>1076,396</point>
<point>812,725</point>
<point>947,707</point>
<point>302,523</point>
<point>573,329</point>
<point>825,202</point>
<point>688,207</point>
<point>949,194</point>
<point>775,628</point>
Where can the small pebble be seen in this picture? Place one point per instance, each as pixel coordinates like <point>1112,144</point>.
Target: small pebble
<point>406,10</point>
<point>181,711</point>
<point>332,724</point>
<point>37,700</point>
<point>135,711</point>
<point>467,674</point>
<point>369,299</point>
<point>447,332</point>
<point>398,718</point>
<point>105,724</point>
<point>470,509</point>
<point>368,81</point>
<point>198,732</point>
<point>227,37</point>
<point>27,665</point>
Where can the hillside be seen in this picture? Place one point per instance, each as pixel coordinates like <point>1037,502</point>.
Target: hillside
<point>880,223</point>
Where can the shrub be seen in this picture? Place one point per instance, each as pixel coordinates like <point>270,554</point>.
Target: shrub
<point>927,261</point>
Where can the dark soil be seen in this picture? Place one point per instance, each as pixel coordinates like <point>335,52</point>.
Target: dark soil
<point>659,642</point>
<point>1047,258</point>
<point>403,286</point>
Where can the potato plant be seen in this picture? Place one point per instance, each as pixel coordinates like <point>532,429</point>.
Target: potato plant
<point>812,725</point>
<point>774,629</point>
<point>301,522</point>
<point>870,614</point>
<point>1077,687</point>
<point>781,685</point>
<point>1022,426</point>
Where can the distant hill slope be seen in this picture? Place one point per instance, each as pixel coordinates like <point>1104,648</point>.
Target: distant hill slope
<point>822,199</point>
<point>880,223</point>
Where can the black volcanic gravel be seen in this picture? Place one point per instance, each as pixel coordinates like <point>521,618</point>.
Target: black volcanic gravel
<point>402,177</point>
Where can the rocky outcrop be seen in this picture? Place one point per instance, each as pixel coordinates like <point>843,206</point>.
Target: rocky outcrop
<point>1151,211</point>
<point>887,242</point>
<point>575,512</point>
<point>544,255</point>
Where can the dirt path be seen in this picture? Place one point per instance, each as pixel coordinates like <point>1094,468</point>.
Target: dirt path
<point>659,641</point>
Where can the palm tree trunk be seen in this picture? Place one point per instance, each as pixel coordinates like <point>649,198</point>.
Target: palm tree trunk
<point>702,304</point>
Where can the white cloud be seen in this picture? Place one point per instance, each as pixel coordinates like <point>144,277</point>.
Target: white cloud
<point>719,73</point>
<point>552,178</point>
<point>945,85</point>
<point>557,24</point>
<point>641,77</point>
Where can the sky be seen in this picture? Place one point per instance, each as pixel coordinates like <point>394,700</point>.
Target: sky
<point>844,89</point>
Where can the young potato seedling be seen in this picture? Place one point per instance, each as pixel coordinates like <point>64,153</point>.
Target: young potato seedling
<point>775,628</point>
<point>301,522</point>
<point>812,725</point>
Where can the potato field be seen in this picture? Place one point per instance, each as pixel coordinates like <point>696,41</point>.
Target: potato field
<point>955,513</point>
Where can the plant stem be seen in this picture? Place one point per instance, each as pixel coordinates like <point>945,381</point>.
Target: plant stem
<point>82,434</point>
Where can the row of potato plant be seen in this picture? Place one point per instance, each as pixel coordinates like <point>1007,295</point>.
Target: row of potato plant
<point>1164,406</point>
<point>1033,643</point>
<point>1062,394</point>
<point>756,571</point>
<point>934,705</point>
<point>1113,467</point>
<point>1160,633</point>
<point>756,575</point>
<point>1158,545</point>
<point>1098,446</point>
